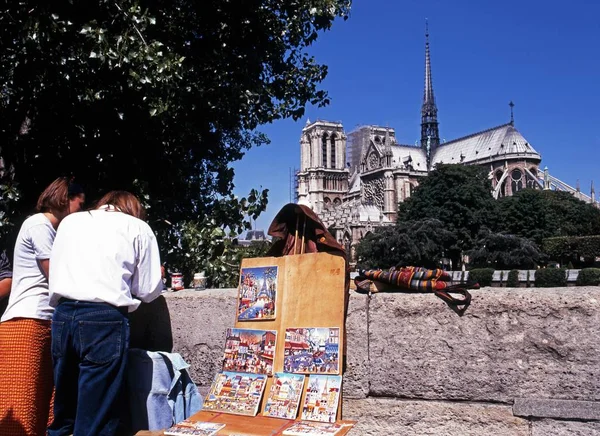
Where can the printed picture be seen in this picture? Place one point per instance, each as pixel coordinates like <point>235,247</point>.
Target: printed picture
<point>257,293</point>
<point>307,428</point>
<point>195,428</point>
<point>322,397</point>
<point>235,392</point>
<point>284,396</point>
<point>249,350</point>
<point>312,350</point>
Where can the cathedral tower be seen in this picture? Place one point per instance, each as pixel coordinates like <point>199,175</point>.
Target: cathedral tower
<point>430,134</point>
<point>323,176</point>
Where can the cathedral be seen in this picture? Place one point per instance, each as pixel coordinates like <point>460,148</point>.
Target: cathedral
<point>355,181</point>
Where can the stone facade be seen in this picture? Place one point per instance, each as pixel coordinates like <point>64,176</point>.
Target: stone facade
<point>519,362</point>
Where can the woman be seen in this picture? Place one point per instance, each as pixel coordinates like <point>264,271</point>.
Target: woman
<point>104,264</point>
<point>25,360</point>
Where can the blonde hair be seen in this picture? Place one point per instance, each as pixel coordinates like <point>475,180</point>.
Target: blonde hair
<point>125,201</point>
<point>55,198</point>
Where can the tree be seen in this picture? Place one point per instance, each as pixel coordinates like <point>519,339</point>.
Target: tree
<point>537,214</point>
<point>417,243</point>
<point>503,251</point>
<point>459,196</point>
<point>156,97</point>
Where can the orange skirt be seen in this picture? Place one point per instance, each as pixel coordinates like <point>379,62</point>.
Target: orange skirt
<point>26,380</point>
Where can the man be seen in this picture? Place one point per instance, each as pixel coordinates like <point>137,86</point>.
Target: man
<point>104,263</point>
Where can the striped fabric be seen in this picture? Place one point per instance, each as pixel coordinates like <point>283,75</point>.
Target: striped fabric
<point>411,278</point>
<point>25,377</point>
<point>416,279</point>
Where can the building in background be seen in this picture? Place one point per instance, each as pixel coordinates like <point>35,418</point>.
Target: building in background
<point>354,182</point>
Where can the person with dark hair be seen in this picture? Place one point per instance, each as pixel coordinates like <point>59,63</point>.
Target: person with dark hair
<point>104,263</point>
<point>25,361</point>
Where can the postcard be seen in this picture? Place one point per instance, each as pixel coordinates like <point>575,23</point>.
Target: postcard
<point>248,350</point>
<point>235,392</point>
<point>322,397</point>
<point>195,428</point>
<point>312,350</point>
<point>257,293</point>
<point>284,396</point>
<point>307,428</point>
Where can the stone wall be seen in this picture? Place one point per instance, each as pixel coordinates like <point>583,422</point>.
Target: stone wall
<point>519,362</point>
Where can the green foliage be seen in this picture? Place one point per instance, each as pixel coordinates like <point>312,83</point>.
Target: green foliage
<point>209,245</point>
<point>513,279</point>
<point>417,243</point>
<point>483,276</point>
<point>503,251</point>
<point>459,196</point>
<point>539,214</point>
<point>550,278</point>
<point>154,97</point>
<point>569,248</point>
<point>588,277</point>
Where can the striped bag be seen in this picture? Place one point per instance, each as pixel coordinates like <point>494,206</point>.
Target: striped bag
<point>416,279</point>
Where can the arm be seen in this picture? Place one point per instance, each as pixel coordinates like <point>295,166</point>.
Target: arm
<point>146,282</point>
<point>45,266</point>
<point>5,285</point>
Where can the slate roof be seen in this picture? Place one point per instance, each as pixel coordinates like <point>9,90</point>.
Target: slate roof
<point>502,142</point>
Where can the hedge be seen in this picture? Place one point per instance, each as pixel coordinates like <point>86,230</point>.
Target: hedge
<point>550,277</point>
<point>483,276</point>
<point>513,279</point>
<point>588,277</point>
<point>567,247</point>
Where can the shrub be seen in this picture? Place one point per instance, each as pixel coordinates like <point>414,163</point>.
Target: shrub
<point>513,279</point>
<point>483,276</point>
<point>588,277</point>
<point>550,277</point>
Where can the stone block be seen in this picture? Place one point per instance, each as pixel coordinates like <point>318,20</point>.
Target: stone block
<point>551,427</point>
<point>356,375</point>
<point>511,343</point>
<point>379,416</point>
<point>561,409</point>
<point>199,320</point>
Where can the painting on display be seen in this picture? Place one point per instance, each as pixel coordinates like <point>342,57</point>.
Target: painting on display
<point>194,428</point>
<point>248,350</point>
<point>235,392</point>
<point>312,350</point>
<point>322,397</point>
<point>284,396</point>
<point>257,293</point>
<point>308,428</point>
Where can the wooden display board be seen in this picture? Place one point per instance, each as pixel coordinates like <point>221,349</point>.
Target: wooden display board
<point>310,293</point>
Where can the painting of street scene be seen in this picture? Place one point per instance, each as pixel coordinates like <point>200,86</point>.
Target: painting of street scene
<point>312,350</point>
<point>257,293</point>
<point>235,392</point>
<point>250,351</point>
<point>322,397</point>
<point>307,428</point>
<point>285,394</point>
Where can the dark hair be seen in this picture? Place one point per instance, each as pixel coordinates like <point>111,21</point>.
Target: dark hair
<point>75,189</point>
<point>125,201</point>
<point>55,197</point>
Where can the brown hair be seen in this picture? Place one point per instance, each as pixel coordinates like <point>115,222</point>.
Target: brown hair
<point>125,201</point>
<point>55,197</point>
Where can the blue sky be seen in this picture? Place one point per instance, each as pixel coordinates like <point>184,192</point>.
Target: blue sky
<point>543,55</point>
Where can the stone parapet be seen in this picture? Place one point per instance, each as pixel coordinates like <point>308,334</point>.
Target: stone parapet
<point>519,362</point>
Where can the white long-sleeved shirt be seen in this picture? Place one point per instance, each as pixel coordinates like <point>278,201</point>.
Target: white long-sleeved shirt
<point>105,256</point>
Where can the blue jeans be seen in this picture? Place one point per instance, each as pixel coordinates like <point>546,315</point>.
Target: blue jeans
<point>89,352</point>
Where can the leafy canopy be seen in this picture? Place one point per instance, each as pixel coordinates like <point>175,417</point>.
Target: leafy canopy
<point>459,196</point>
<point>157,97</point>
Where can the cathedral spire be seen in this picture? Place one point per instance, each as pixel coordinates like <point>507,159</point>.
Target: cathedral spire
<point>430,135</point>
